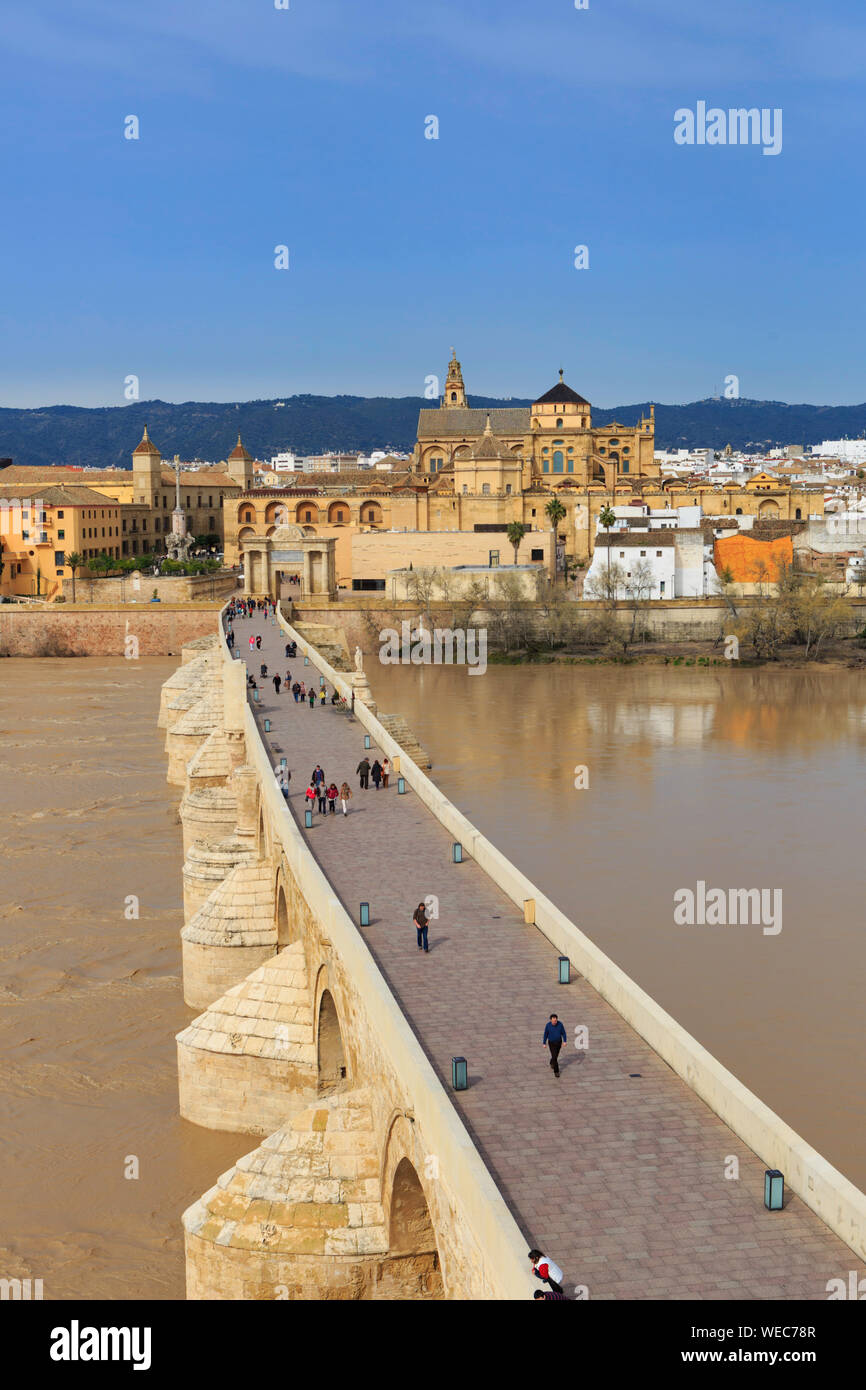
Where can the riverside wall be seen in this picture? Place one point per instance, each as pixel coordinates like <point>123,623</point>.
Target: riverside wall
<point>666,620</point>
<point>103,629</point>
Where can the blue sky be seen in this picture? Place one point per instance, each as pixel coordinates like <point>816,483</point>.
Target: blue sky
<point>305,127</point>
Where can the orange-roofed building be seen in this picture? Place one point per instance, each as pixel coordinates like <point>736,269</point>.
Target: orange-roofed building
<point>750,560</point>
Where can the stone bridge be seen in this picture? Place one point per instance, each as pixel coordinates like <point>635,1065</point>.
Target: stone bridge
<point>328,1043</point>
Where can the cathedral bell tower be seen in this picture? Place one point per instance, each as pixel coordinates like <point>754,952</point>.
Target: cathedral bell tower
<point>455,391</point>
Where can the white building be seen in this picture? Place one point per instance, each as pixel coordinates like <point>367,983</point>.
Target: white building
<point>851,451</point>
<point>286,463</point>
<point>661,553</point>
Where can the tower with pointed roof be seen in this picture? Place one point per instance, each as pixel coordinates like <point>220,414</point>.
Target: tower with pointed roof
<point>240,466</point>
<point>455,392</point>
<point>146,471</point>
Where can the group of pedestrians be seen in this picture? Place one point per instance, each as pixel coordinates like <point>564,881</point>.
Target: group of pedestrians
<point>378,771</point>
<point>326,794</point>
<point>250,607</point>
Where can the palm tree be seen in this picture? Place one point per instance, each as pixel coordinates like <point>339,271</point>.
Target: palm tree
<point>515,532</point>
<point>607,516</point>
<point>74,561</point>
<point>556,513</point>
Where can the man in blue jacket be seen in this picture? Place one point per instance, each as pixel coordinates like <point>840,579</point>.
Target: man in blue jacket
<point>554,1037</point>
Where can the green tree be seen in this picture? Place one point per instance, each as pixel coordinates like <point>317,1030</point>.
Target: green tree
<point>607,517</point>
<point>555,511</point>
<point>75,561</point>
<point>515,532</point>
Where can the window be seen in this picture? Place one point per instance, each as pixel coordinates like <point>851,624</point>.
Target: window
<point>453,397</point>
<point>738,512</point>
<point>559,424</point>
<point>360,585</point>
<point>493,558</point>
<point>622,554</point>
<point>536,555</point>
<point>533,511</point>
<point>798,514</point>
<point>507,489</point>
<point>485,489</point>
<point>557,460</point>
<point>465,487</point>
<point>614,443</point>
<point>662,587</point>
<point>658,555</point>
<point>545,466</point>
<point>643,555</point>
<point>571,465</point>
<point>61,535</point>
<point>60,515</point>
<point>210,499</point>
<point>601,449</point>
<point>60,558</point>
<point>308,516</point>
<point>625,465</point>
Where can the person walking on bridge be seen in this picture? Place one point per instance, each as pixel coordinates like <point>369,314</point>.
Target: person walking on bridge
<point>345,797</point>
<point>545,1270</point>
<point>312,698</point>
<point>277,684</point>
<point>376,773</point>
<point>554,1037</point>
<point>419,917</point>
<point>363,771</point>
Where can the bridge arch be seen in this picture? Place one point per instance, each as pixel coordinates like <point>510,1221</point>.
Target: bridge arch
<point>410,1226</point>
<point>262,837</point>
<point>281,915</point>
<point>414,1264</point>
<point>331,1063</point>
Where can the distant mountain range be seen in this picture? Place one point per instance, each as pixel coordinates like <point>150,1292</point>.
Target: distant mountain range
<point>106,436</point>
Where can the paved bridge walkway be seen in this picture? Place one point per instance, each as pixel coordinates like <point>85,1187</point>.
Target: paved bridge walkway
<point>618,1177</point>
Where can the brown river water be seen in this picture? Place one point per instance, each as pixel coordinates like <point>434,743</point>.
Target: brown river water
<point>741,779</point>
<point>90,1002</point>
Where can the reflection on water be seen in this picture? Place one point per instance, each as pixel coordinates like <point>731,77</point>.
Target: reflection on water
<point>744,779</point>
<point>90,1002</point>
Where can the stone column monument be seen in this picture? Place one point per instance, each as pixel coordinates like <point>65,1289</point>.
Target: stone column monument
<point>360,683</point>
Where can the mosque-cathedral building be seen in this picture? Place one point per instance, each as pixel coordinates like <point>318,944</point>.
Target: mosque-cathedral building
<point>471,473</point>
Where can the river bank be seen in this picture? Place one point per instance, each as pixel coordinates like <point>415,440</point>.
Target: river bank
<point>846,655</point>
